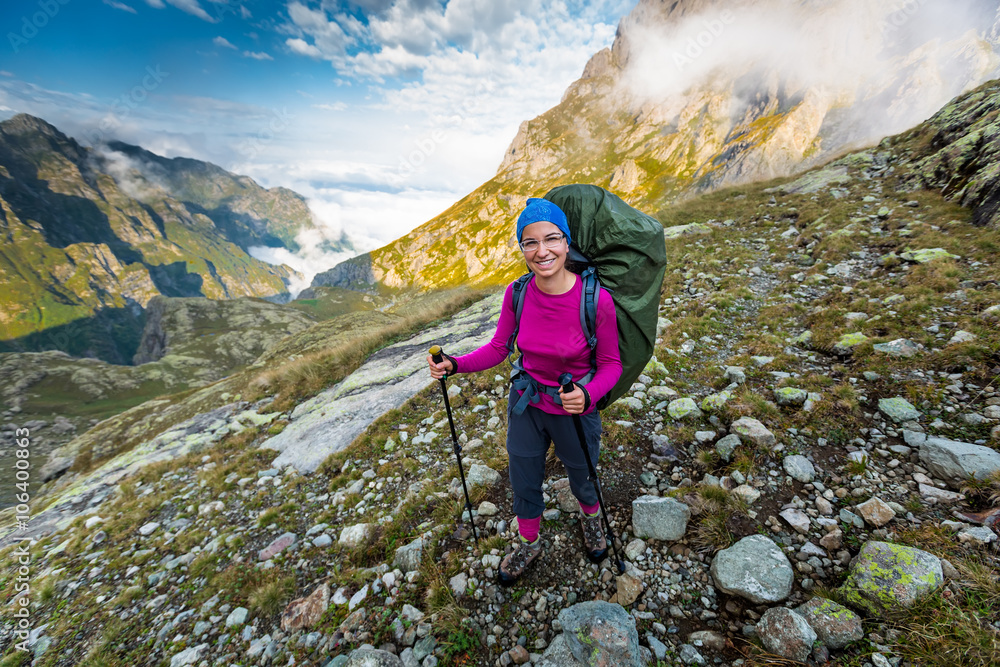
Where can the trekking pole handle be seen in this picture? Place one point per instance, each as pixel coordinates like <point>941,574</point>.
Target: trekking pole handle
<point>566,380</point>
<point>436,354</point>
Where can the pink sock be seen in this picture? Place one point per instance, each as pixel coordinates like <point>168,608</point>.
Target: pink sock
<point>589,509</point>
<point>528,528</point>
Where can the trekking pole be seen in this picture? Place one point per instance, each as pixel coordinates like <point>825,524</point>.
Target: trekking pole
<point>437,355</point>
<point>566,380</point>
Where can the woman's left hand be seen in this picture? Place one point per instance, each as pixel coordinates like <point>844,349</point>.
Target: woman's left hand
<point>574,401</point>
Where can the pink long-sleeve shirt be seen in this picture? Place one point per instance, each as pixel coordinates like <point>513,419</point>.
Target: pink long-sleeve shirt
<point>552,341</point>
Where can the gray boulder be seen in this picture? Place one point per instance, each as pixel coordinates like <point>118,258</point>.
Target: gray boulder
<point>407,557</point>
<point>885,577</point>
<point>799,468</point>
<point>898,409</point>
<point>754,568</point>
<point>727,445</point>
<point>835,625</point>
<point>660,518</point>
<point>954,461</point>
<point>791,396</point>
<point>594,633</point>
<point>901,347</point>
<point>480,475</point>
<point>748,428</point>
<point>787,634</point>
<point>370,657</point>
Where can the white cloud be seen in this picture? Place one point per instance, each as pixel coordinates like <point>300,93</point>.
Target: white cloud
<point>303,48</point>
<point>224,43</point>
<point>336,106</point>
<point>120,5</point>
<point>245,13</point>
<point>189,6</point>
<point>918,53</point>
<point>257,55</point>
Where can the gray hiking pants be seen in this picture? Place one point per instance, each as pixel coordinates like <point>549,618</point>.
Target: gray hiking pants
<point>528,438</point>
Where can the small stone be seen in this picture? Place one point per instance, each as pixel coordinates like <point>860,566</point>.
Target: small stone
<point>898,409</point>
<point>799,468</point>
<point>727,445</point>
<point>754,431</point>
<point>237,617</point>
<point>797,519</point>
<point>790,396</point>
<point>277,546</point>
<point>629,585</point>
<point>354,536</point>
<point>835,625</point>
<point>876,512</point>
<point>977,536</point>
<point>683,408</point>
<point>634,549</point>
<point>787,634</point>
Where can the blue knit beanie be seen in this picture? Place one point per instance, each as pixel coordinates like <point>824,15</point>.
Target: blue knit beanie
<point>542,210</point>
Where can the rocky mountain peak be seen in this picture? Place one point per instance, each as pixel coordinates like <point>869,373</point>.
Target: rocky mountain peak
<point>23,123</point>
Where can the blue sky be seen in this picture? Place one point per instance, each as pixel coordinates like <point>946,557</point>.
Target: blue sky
<point>382,112</point>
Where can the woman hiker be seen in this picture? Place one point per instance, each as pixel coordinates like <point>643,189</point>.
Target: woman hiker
<point>552,342</point>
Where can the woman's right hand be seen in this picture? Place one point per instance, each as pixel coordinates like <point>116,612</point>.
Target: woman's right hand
<point>438,371</point>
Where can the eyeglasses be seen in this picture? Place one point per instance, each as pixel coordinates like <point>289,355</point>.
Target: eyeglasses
<point>550,241</point>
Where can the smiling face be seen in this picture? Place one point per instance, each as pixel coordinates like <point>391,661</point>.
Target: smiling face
<point>545,262</point>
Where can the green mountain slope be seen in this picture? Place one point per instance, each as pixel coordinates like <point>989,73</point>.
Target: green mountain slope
<point>88,238</point>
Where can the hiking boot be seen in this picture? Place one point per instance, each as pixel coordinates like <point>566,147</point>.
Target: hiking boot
<point>594,541</point>
<point>514,565</point>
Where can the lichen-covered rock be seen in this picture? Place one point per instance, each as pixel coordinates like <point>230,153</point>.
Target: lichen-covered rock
<point>846,344</point>
<point>886,576</point>
<point>715,402</point>
<point>694,229</point>
<point>751,429</point>
<point>835,625</point>
<point>787,634</point>
<point>790,396</point>
<point>898,409</point>
<point>927,255</point>
<point>727,445</point>
<point>754,568</point>
<point>683,408</point>
<point>597,634</point>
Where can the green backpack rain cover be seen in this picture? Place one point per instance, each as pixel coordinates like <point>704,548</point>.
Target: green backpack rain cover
<point>628,249</point>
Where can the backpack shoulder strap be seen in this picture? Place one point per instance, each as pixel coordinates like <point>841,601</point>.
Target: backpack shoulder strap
<point>517,301</point>
<point>588,316</point>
